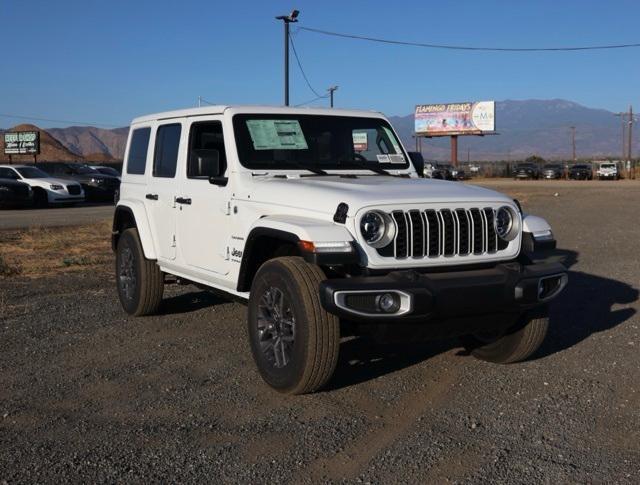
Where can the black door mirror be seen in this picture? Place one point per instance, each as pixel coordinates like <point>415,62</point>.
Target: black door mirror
<point>418,162</point>
<point>205,163</point>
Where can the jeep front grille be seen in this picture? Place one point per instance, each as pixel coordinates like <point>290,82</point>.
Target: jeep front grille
<point>443,232</point>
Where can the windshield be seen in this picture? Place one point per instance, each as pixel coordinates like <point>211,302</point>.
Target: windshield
<point>607,165</point>
<point>32,173</point>
<point>108,171</point>
<point>277,142</point>
<point>83,169</point>
<point>549,167</point>
<point>580,166</point>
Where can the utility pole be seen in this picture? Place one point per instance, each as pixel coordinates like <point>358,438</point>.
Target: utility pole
<point>331,90</point>
<point>629,136</point>
<point>286,20</point>
<point>573,141</point>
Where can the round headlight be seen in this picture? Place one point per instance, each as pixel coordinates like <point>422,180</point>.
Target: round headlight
<point>377,229</point>
<point>506,223</point>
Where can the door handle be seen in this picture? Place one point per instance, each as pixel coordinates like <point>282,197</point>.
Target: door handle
<point>183,200</point>
<point>151,196</point>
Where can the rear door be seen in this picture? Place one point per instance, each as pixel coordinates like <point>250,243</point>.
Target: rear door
<point>160,199</point>
<point>204,224</point>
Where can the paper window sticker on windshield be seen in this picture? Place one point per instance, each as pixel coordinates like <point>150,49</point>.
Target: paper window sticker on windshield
<point>360,141</point>
<point>276,135</point>
<point>383,158</point>
<point>394,141</point>
<point>396,158</point>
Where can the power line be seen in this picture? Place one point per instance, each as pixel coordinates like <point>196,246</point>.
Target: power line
<point>468,48</point>
<point>295,53</point>
<point>33,118</point>
<point>312,100</point>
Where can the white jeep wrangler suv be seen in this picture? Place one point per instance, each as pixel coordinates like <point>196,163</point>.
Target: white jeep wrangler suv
<point>318,218</point>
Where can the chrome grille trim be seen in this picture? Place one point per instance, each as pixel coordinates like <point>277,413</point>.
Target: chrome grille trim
<point>435,233</point>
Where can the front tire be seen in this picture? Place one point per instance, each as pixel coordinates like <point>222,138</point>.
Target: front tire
<point>139,280</point>
<point>294,341</point>
<point>516,344</point>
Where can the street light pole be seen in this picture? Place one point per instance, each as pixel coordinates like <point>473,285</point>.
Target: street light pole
<point>573,141</point>
<point>287,19</point>
<point>331,90</point>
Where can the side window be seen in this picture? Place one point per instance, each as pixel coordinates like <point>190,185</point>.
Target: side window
<point>137,159</point>
<point>7,173</point>
<point>165,157</point>
<point>207,156</point>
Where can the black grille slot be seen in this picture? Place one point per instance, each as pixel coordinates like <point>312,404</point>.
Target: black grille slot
<point>449,232</point>
<point>417,240</point>
<point>492,243</point>
<point>434,232</point>
<point>402,237</point>
<point>478,231</point>
<point>464,231</point>
<point>73,189</point>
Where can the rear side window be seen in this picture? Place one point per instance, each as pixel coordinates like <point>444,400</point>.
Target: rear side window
<point>137,159</point>
<point>166,153</point>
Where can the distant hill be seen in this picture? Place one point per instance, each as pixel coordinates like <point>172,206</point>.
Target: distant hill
<point>96,144</point>
<point>532,127</point>
<point>50,148</point>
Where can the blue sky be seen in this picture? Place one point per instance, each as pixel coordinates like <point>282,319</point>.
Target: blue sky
<point>109,61</point>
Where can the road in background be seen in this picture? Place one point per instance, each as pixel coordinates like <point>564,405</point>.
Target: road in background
<point>55,216</point>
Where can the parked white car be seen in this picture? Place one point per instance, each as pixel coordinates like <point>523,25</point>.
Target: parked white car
<point>317,218</point>
<point>46,189</point>
<point>608,171</point>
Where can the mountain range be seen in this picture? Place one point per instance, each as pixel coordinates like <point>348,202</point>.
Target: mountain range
<point>523,128</point>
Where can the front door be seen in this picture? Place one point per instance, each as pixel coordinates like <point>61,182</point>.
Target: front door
<point>162,190</point>
<point>204,224</point>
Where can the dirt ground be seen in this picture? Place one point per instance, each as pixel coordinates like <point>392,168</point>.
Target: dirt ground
<point>89,394</point>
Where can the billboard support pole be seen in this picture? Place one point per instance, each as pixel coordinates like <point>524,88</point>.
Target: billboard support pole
<point>454,150</point>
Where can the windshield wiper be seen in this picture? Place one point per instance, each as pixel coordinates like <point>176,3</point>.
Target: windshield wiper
<point>317,171</point>
<point>378,170</point>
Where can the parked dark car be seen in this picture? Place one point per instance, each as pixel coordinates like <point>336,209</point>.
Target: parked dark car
<point>443,171</point>
<point>14,193</point>
<point>552,171</point>
<point>96,185</point>
<point>526,171</point>
<point>581,171</point>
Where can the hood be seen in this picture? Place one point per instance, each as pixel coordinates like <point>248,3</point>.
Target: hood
<point>324,193</point>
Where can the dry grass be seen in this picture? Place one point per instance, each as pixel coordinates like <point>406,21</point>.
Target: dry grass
<point>43,251</point>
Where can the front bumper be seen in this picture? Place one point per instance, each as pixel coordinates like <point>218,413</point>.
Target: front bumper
<point>508,288</point>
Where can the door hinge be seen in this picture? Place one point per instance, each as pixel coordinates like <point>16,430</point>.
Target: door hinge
<point>173,243</point>
<point>228,255</point>
<point>228,208</point>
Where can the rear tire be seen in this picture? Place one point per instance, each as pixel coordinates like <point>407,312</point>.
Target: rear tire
<point>139,280</point>
<point>516,344</point>
<point>294,341</point>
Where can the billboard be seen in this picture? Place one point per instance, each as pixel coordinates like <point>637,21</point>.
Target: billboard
<point>455,118</point>
<point>22,143</point>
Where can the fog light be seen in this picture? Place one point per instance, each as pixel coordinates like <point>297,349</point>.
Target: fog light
<point>388,302</point>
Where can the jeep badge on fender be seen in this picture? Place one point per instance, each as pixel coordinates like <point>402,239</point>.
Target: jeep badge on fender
<point>319,220</point>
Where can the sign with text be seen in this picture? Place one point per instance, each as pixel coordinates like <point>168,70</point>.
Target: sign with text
<point>22,143</point>
<point>455,118</point>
